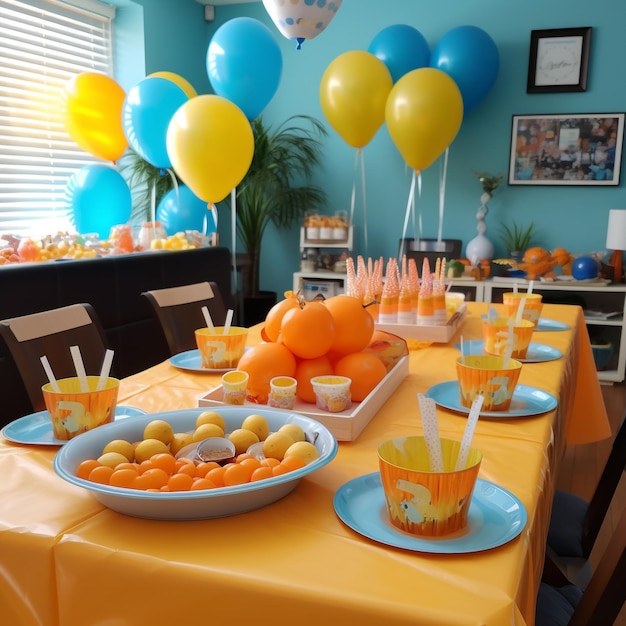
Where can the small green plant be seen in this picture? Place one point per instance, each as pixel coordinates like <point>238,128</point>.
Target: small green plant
<point>489,182</point>
<point>516,237</point>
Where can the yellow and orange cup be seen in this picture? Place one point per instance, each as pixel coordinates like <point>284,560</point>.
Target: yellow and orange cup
<point>234,386</point>
<point>220,351</point>
<point>490,377</point>
<point>421,501</point>
<point>332,393</point>
<point>496,336</point>
<point>74,411</point>
<point>282,392</point>
<point>533,305</point>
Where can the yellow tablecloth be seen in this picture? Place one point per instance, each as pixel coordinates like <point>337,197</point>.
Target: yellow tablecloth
<point>65,560</point>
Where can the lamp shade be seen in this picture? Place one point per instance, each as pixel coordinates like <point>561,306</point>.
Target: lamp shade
<point>616,230</point>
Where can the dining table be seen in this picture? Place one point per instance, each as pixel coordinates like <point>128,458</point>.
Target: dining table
<point>67,560</point>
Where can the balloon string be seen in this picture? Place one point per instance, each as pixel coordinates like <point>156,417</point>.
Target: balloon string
<point>410,202</point>
<point>419,193</point>
<point>353,195</point>
<point>442,195</point>
<point>364,202</point>
<point>213,209</point>
<point>233,205</point>
<point>153,204</point>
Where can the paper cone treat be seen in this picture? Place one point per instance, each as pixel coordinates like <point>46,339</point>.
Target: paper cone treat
<point>388,312</point>
<point>421,501</point>
<point>425,304</point>
<point>404,299</point>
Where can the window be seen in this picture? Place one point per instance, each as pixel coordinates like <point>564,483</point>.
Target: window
<point>43,43</point>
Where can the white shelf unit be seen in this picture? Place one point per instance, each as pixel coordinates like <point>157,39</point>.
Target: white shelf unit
<point>593,296</point>
<point>323,276</point>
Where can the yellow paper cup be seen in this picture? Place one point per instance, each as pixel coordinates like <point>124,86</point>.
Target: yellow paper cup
<point>219,351</point>
<point>332,393</point>
<point>420,501</point>
<point>234,385</point>
<point>496,335</point>
<point>489,376</point>
<point>73,411</point>
<point>282,392</point>
<point>532,306</point>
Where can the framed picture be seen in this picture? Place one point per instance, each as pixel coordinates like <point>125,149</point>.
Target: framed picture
<point>558,60</point>
<point>575,149</point>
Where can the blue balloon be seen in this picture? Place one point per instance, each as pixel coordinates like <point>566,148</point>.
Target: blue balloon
<point>181,210</point>
<point>147,112</point>
<point>401,48</point>
<point>470,57</point>
<point>99,198</point>
<point>584,268</point>
<point>244,64</point>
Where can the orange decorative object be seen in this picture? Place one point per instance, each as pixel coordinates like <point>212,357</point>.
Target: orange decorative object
<point>537,262</point>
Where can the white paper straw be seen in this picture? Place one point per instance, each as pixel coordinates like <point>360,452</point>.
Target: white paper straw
<point>514,287</point>
<point>207,319</point>
<point>80,368</point>
<point>106,368</point>
<point>520,311</point>
<point>228,322</point>
<point>428,410</point>
<point>50,374</point>
<point>462,348</point>
<point>531,284</point>
<point>470,427</point>
<point>510,341</point>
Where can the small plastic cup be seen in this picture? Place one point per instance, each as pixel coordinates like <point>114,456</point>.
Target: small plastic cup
<point>532,306</point>
<point>219,351</point>
<point>496,335</point>
<point>420,501</point>
<point>332,393</point>
<point>73,411</point>
<point>282,392</point>
<point>234,385</point>
<point>489,376</point>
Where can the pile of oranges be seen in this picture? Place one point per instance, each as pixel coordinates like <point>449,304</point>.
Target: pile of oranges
<point>319,338</point>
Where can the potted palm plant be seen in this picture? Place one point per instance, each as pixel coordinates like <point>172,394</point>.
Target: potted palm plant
<point>275,190</point>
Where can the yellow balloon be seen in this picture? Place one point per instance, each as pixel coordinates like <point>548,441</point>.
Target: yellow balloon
<point>92,115</point>
<point>424,114</point>
<point>210,143</point>
<point>353,93</point>
<point>184,84</point>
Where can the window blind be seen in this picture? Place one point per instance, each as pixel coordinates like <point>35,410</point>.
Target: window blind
<point>43,43</point>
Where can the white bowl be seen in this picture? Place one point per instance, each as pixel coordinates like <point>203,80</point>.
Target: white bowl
<point>188,505</point>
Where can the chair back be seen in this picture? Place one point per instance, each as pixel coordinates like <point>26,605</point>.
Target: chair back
<point>51,334</point>
<point>430,249</point>
<point>179,312</point>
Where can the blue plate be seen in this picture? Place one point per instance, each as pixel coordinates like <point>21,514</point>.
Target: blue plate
<point>526,401</point>
<point>537,352</point>
<point>192,362</point>
<point>495,517</point>
<point>545,324</point>
<point>36,428</point>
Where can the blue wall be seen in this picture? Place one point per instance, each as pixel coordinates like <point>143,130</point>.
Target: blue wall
<point>176,38</point>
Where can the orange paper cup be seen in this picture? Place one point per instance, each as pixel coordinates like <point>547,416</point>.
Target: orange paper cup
<point>420,501</point>
<point>73,411</point>
<point>282,392</point>
<point>234,385</point>
<point>487,375</point>
<point>496,334</point>
<point>532,306</point>
<point>219,351</point>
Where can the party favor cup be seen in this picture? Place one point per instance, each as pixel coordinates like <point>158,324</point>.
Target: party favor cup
<point>332,393</point>
<point>234,385</point>
<point>219,351</point>
<point>496,336</point>
<point>532,305</point>
<point>73,411</point>
<point>490,377</point>
<point>282,392</point>
<point>420,501</point>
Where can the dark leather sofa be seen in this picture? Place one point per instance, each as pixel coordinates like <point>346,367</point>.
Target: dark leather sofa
<point>113,286</point>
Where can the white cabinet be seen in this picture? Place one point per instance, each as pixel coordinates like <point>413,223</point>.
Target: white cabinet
<point>604,306</point>
<point>326,282</point>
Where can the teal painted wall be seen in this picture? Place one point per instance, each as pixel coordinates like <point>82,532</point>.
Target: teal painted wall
<point>176,39</point>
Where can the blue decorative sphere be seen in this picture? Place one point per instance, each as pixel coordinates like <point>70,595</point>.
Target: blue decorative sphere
<point>584,268</point>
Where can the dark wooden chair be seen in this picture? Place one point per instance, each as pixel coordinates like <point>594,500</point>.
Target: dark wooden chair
<point>566,604</point>
<point>51,334</point>
<point>179,312</point>
<point>575,523</point>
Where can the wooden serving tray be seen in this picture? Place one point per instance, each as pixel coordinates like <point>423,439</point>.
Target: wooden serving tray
<point>441,333</point>
<point>346,425</point>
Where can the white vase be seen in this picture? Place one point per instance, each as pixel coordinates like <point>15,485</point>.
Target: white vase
<point>480,248</point>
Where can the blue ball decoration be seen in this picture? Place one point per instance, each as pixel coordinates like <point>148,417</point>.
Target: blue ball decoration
<point>584,268</point>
